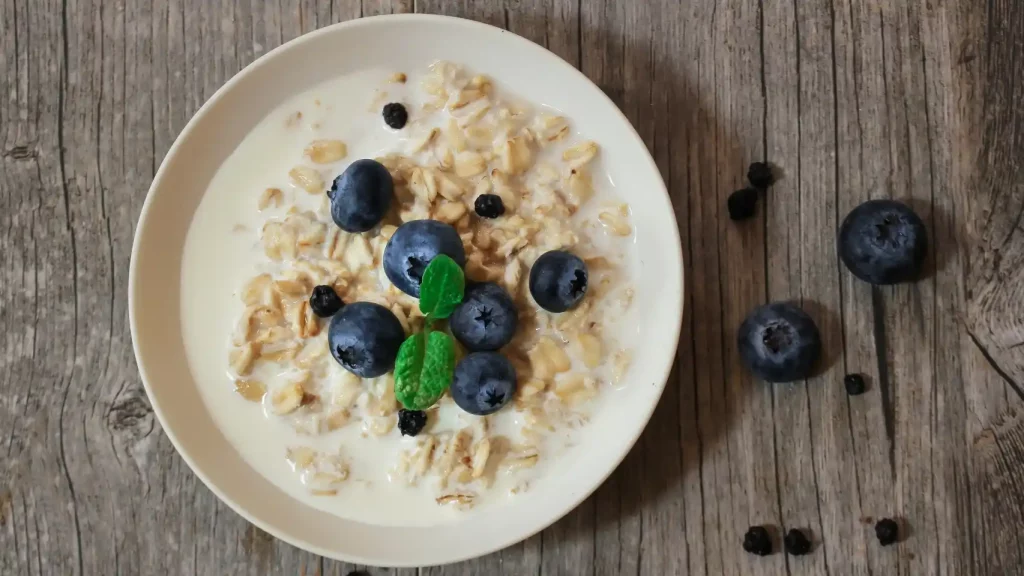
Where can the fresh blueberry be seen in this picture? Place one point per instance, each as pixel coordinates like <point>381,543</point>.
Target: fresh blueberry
<point>883,242</point>
<point>486,319</point>
<point>364,338</point>
<point>558,280</point>
<point>361,196</point>
<point>413,246</point>
<point>779,343</point>
<point>325,301</point>
<point>483,383</point>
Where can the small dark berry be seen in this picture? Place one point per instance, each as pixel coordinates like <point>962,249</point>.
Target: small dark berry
<point>325,301</point>
<point>797,543</point>
<point>410,422</point>
<point>395,115</point>
<point>854,384</point>
<point>757,541</point>
<point>489,206</point>
<point>742,204</point>
<point>760,175</point>
<point>887,531</point>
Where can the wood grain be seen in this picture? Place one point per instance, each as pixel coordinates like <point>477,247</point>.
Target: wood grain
<point>849,99</point>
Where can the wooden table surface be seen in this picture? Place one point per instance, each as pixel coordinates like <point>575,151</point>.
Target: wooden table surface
<point>920,100</point>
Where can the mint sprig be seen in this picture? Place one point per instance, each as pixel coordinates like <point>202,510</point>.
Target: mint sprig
<point>426,360</point>
<point>442,288</point>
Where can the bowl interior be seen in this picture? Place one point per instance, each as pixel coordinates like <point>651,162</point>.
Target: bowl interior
<point>211,136</point>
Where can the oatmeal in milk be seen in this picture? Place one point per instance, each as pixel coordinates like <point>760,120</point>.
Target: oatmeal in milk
<point>403,295</point>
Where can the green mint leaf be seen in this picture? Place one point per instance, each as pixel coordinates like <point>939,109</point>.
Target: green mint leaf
<point>408,366</point>
<point>438,366</point>
<point>424,369</point>
<point>442,287</point>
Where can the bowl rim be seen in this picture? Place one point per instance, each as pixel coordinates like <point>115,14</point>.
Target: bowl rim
<point>133,300</point>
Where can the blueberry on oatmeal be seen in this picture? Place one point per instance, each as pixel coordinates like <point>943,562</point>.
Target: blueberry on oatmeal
<point>411,422</point>
<point>489,206</point>
<point>364,338</point>
<point>325,301</point>
<point>558,280</point>
<point>779,343</point>
<point>484,382</point>
<point>486,319</point>
<point>361,196</point>
<point>395,115</point>
<point>412,247</point>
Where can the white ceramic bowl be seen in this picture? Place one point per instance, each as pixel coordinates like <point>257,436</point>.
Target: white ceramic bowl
<point>396,42</point>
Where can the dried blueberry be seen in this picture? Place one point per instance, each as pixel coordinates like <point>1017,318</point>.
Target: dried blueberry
<point>325,301</point>
<point>395,115</point>
<point>757,541</point>
<point>854,384</point>
<point>887,531</point>
<point>742,204</point>
<point>489,206</point>
<point>760,175</point>
<point>797,543</point>
<point>410,422</point>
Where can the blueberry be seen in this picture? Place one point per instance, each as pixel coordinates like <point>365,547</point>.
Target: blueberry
<point>742,204</point>
<point>413,246</point>
<point>486,319</point>
<point>887,531</point>
<point>759,174</point>
<point>483,383</point>
<point>395,115</point>
<point>796,542</point>
<point>779,343</point>
<point>325,301</point>
<point>489,206</point>
<point>757,541</point>
<point>883,242</point>
<point>411,422</point>
<point>361,196</point>
<point>364,338</point>
<point>558,280</point>
<point>854,384</point>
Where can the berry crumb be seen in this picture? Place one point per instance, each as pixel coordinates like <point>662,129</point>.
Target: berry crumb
<point>411,422</point>
<point>854,384</point>
<point>489,206</point>
<point>395,115</point>
<point>797,543</point>
<point>887,531</point>
<point>325,301</point>
<point>742,204</point>
<point>760,175</point>
<point>757,541</point>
